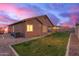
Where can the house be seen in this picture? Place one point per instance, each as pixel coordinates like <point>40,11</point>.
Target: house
<point>32,27</point>
<point>61,29</point>
<point>1,30</point>
<point>77,30</point>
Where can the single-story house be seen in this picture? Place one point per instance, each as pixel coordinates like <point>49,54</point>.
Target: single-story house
<point>32,27</point>
<point>61,29</point>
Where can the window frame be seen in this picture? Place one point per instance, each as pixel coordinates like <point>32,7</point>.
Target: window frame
<point>29,27</point>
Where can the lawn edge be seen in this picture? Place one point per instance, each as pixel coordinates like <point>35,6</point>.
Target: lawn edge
<point>67,49</point>
<point>16,54</point>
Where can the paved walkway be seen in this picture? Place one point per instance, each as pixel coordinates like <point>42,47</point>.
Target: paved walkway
<point>74,45</point>
<point>6,51</point>
<point>5,41</point>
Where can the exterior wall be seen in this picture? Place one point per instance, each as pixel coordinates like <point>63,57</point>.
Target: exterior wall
<point>44,29</point>
<point>77,31</point>
<point>45,20</point>
<point>40,26</point>
<point>37,28</point>
<point>20,27</point>
<point>10,30</point>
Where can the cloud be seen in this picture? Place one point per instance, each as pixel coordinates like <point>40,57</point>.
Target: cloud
<point>9,13</point>
<point>58,13</point>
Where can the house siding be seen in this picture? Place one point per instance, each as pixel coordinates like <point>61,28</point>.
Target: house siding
<point>45,20</point>
<point>20,28</point>
<point>40,24</point>
<point>37,28</point>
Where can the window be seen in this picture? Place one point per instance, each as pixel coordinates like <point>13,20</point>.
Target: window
<point>56,28</point>
<point>29,28</point>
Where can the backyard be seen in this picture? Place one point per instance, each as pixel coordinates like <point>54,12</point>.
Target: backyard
<point>51,45</point>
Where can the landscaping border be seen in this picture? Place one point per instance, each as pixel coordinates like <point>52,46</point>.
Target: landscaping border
<point>13,50</point>
<point>67,49</point>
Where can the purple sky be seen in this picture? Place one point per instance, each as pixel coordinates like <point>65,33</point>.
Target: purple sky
<point>61,14</point>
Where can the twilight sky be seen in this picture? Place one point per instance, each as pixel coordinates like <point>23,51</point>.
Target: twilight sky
<point>60,14</point>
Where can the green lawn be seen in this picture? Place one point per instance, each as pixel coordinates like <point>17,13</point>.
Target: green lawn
<point>51,45</point>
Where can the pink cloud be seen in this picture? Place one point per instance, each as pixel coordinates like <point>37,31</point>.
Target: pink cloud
<point>74,9</point>
<point>18,12</point>
<point>14,12</point>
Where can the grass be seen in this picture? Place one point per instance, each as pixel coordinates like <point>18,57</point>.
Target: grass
<point>51,45</point>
